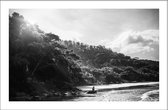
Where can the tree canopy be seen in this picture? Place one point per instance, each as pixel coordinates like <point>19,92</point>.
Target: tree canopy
<point>41,62</point>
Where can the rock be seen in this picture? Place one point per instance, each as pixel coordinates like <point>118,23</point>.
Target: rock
<point>91,92</point>
<point>68,94</point>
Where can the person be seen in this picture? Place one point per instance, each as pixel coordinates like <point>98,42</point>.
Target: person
<point>93,91</point>
<point>93,88</point>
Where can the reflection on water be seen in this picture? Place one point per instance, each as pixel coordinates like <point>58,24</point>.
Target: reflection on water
<point>120,92</point>
<point>110,86</point>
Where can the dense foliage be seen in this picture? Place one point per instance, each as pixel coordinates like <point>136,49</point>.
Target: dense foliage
<point>38,59</point>
<point>41,63</point>
<point>114,67</point>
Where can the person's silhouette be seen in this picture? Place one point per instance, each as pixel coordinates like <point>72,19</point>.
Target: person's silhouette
<point>93,88</point>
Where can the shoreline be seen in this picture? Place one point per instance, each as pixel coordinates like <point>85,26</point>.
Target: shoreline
<point>110,93</point>
<point>123,94</point>
<point>151,96</point>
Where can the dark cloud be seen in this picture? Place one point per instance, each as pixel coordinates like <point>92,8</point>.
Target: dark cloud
<point>139,39</point>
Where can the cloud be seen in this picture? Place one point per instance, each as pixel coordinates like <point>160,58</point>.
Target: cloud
<point>103,27</point>
<point>136,48</point>
<point>70,35</point>
<point>141,44</point>
<point>139,39</point>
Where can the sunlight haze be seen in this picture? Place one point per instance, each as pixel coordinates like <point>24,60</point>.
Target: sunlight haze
<point>134,32</point>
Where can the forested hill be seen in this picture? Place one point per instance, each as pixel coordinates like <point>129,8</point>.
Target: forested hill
<point>42,64</point>
<point>107,66</point>
<point>99,56</point>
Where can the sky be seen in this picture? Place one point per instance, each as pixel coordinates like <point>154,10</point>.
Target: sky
<point>133,32</point>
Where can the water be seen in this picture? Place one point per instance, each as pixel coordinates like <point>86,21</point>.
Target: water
<point>122,92</point>
<point>112,86</point>
<point>151,96</point>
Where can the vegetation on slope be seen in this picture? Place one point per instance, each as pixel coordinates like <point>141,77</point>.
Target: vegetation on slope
<point>107,66</point>
<point>38,62</point>
<point>41,64</point>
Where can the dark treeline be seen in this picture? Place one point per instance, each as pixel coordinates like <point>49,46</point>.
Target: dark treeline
<point>41,64</point>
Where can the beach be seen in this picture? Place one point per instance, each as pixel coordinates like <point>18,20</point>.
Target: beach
<point>138,92</point>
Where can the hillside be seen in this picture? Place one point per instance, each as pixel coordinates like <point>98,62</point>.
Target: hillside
<point>106,66</point>
<point>41,64</point>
